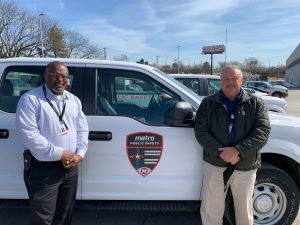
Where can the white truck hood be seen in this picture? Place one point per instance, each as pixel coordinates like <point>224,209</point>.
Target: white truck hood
<point>273,99</point>
<point>285,120</point>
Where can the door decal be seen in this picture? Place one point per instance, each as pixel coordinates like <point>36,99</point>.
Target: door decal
<point>144,150</point>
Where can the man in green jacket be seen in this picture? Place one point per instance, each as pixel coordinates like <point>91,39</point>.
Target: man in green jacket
<point>232,126</point>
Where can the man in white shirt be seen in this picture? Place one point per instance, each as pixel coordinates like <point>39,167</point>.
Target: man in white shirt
<point>54,132</point>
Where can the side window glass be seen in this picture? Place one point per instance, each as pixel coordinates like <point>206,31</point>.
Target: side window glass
<point>261,85</point>
<point>214,86</point>
<point>133,94</point>
<point>191,83</point>
<point>15,82</point>
<point>133,90</point>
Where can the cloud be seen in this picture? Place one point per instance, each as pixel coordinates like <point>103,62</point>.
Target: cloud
<point>102,33</point>
<point>61,4</point>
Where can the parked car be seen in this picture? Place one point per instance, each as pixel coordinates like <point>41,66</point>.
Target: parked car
<point>282,83</point>
<point>209,84</point>
<point>141,142</point>
<point>271,103</point>
<point>255,92</point>
<point>274,90</point>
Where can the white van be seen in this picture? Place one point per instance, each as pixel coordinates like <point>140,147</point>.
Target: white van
<point>141,141</point>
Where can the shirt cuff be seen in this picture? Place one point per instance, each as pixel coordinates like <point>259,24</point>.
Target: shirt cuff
<point>80,152</point>
<point>57,153</point>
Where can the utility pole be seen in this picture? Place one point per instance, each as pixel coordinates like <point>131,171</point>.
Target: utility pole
<point>178,58</point>
<point>157,59</point>
<point>41,32</point>
<point>104,53</point>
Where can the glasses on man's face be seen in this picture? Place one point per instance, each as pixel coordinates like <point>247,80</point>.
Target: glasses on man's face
<point>56,77</point>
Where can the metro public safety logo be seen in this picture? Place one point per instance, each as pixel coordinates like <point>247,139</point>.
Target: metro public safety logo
<point>144,151</point>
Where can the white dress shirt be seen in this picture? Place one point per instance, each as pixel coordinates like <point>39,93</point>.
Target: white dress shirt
<point>38,125</point>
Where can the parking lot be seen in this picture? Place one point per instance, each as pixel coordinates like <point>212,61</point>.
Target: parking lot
<point>19,216</point>
<point>293,101</point>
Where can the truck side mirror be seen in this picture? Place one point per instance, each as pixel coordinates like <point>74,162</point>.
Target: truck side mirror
<point>180,115</point>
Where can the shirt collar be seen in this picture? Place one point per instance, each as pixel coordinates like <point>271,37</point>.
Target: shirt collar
<point>51,95</point>
<point>237,98</point>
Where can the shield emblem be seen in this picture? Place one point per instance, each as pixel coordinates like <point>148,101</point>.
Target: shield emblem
<point>144,150</point>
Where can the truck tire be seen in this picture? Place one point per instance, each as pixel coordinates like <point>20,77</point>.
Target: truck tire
<point>276,198</point>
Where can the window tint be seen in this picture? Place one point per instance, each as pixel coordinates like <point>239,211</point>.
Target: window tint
<point>214,85</point>
<point>250,84</point>
<point>132,94</point>
<point>132,90</point>
<point>17,80</point>
<point>191,83</point>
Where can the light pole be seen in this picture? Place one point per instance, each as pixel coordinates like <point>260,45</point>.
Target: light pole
<point>104,52</point>
<point>41,31</point>
<point>178,58</point>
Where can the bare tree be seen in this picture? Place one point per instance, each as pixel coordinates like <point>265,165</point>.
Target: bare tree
<point>74,42</point>
<point>90,51</point>
<point>80,47</point>
<point>18,32</point>
<point>251,64</point>
<point>122,57</point>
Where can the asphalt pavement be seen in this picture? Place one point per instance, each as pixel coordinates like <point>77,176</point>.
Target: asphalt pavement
<point>110,217</point>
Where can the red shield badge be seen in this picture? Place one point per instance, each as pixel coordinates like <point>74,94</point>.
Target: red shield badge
<point>144,151</point>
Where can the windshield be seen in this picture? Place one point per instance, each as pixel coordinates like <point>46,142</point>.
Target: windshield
<point>179,84</point>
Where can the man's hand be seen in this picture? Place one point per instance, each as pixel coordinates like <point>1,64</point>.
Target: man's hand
<point>230,155</point>
<point>69,159</point>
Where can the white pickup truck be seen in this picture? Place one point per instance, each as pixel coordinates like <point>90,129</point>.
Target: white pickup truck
<point>204,85</point>
<point>141,141</point>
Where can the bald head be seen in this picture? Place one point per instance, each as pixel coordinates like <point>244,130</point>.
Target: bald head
<point>231,81</point>
<point>232,69</point>
<point>56,77</point>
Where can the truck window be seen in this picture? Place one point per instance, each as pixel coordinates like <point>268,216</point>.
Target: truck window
<point>214,85</point>
<point>133,94</point>
<point>16,81</point>
<point>191,83</point>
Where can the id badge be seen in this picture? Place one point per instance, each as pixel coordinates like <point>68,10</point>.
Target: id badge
<point>62,128</point>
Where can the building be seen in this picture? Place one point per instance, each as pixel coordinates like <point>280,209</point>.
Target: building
<point>292,73</point>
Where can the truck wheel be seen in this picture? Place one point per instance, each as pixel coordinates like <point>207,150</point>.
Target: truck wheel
<point>276,198</point>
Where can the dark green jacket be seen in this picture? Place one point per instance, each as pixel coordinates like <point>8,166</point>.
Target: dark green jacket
<point>252,128</point>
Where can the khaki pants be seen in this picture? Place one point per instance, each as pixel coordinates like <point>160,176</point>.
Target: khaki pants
<point>213,196</point>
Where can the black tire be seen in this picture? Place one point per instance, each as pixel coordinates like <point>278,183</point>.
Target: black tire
<point>277,94</point>
<point>276,198</point>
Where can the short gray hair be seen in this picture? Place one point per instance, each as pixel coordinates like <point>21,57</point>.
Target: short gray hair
<point>232,67</point>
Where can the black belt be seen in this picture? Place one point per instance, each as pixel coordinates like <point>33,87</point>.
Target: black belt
<point>44,162</point>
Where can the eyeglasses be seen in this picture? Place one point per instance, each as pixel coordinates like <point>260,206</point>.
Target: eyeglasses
<point>56,77</point>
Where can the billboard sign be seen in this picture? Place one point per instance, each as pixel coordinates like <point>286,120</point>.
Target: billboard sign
<point>213,49</point>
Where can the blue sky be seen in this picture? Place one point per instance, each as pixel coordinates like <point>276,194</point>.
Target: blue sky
<point>268,30</point>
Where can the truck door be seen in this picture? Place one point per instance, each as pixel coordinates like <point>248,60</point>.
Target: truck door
<point>133,154</point>
<point>17,80</point>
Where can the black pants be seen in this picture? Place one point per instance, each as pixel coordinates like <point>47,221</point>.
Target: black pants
<point>52,193</point>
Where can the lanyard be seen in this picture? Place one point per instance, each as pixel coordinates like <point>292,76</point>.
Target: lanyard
<point>60,115</point>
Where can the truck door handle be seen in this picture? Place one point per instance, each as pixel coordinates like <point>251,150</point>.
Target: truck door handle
<point>100,135</point>
<point>4,133</point>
